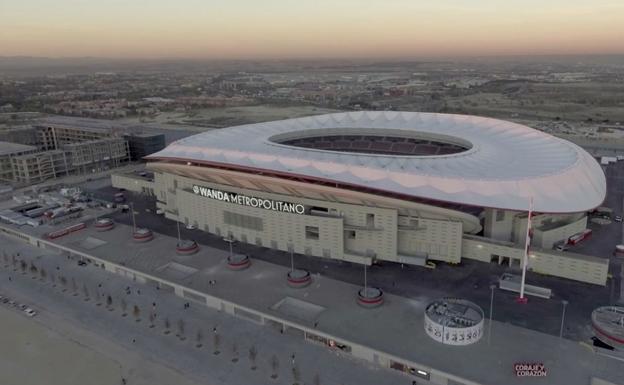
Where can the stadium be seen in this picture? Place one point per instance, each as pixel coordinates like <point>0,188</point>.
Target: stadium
<point>405,187</point>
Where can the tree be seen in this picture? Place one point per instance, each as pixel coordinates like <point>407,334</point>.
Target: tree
<point>124,307</point>
<point>64,282</point>
<point>23,266</point>
<point>274,362</point>
<point>216,341</point>
<point>43,274</point>
<point>136,312</point>
<point>234,352</point>
<point>253,353</point>
<point>199,338</point>
<point>13,261</point>
<point>167,325</point>
<point>85,291</point>
<point>152,317</point>
<point>109,302</point>
<point>33,268</point>
<point>296,374</point>
<point>97,297</point>
<point>5,257</point>
<point>181,329</point>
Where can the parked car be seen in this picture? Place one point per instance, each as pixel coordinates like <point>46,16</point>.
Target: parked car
<point>562,247</point>
<point>160,211</point>
<point>30,312</point>
<point>81,263</point>
<point>191,226</point>
<point>618,218</point>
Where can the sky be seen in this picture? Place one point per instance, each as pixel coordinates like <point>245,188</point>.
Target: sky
<point>249,29</point>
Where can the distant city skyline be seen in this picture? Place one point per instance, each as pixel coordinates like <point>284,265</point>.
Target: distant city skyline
<point>246,29</point>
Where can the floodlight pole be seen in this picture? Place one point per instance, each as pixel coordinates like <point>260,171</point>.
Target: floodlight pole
<point>365,266</point>
<point>525,259</point>
<point>564,303</point>
<point>133,219</point>
<point>292,258</point>
<point>179,237</point>
<point>492,287</point>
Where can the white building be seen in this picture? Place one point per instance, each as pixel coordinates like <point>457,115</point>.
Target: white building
<point>394,186</point>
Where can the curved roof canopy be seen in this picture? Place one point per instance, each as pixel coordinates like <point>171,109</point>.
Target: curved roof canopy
<point>493,163</point>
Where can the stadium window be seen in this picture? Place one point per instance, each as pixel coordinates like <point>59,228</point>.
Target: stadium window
<point>351,234</point>
<point>312,232</point>
<point>500,215</point>
<point>370,220</point>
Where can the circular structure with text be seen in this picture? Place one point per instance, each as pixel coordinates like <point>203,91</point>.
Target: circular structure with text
<point>454,321</point>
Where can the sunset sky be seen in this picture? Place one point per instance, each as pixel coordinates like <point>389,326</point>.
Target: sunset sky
<point>309,29</point>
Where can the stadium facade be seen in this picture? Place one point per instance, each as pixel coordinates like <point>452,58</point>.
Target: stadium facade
<point>404,187</point>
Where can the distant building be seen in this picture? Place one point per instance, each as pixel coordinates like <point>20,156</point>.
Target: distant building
<point>8,151</point>
<point>40,166</point>
<point>144,144</point>
<point>67,149</point>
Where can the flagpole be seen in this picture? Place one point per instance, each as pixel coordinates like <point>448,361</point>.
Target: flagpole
<point>525,259</point>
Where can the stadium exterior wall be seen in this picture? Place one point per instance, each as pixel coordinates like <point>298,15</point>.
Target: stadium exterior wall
<point>345,230</point>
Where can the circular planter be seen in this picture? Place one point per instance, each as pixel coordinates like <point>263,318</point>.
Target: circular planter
<point>104,224</point>
<point>142,235</point>
<point>187,247</point>
<point>238,262</point>
<point>298,278</point>
<point>370,297</point>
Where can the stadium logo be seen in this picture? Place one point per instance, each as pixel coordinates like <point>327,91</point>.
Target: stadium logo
<point>244,200</point>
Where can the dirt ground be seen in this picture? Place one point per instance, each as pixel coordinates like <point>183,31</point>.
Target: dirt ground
<point>32,353</point>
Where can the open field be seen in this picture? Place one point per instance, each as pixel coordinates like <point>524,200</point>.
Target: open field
<point>231,116</point>
<point>56,353</point>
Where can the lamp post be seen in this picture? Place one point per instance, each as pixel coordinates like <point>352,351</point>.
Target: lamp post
<point>133,219</point>
<point>492,287</point>
<point>564,303</point>
<point>292,257</point>
<point>230,240</point>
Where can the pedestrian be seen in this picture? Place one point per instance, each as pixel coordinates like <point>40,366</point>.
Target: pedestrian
<point>123,381</point>
<point>293,359</point>
<point>9,279</point>
<point>133,340</point>
<point>138,292</point>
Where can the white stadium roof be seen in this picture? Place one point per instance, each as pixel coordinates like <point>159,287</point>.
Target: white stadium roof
<point>490,163</point>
